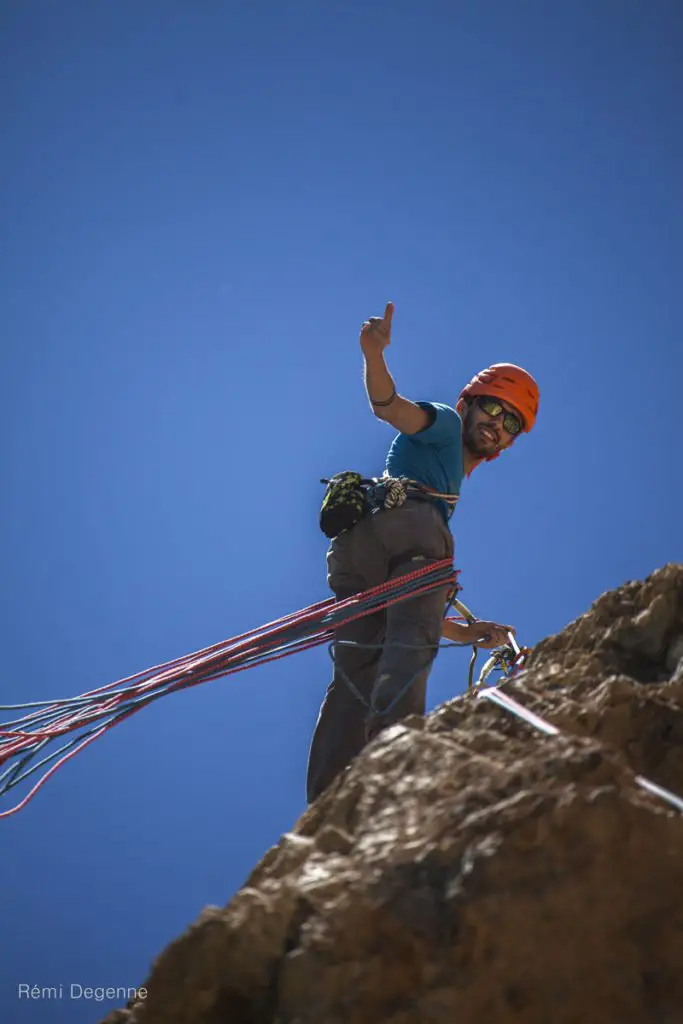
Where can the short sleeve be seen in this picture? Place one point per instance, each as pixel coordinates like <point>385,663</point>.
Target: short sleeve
<point>445,428</point>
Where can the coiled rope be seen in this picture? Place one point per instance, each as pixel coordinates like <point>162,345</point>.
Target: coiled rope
<point>91,714</point>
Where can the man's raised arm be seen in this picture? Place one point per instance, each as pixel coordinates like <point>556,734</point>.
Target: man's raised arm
<point>386,404</point>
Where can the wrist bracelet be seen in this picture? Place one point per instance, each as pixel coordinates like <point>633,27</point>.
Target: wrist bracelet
<point>389,400</point>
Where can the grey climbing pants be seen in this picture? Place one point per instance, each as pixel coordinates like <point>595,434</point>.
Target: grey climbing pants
<point>387,649</point>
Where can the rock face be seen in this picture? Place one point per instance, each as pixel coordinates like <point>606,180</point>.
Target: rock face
<point>469,868</point>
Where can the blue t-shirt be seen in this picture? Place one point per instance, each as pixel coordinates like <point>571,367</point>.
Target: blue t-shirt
<point>433,456</point>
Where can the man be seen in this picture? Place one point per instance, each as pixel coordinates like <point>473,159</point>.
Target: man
<point>382,661</point>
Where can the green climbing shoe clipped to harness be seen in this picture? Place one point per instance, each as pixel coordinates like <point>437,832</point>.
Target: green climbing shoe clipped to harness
<point>345,502</point>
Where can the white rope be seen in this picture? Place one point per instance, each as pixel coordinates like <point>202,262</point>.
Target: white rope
<point>504,701</point>
<point>665,794</point>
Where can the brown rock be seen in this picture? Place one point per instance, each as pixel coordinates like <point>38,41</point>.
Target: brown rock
<point>476,869</point>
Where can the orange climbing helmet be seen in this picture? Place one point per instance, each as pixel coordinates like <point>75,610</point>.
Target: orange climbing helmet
<point>511,383</point>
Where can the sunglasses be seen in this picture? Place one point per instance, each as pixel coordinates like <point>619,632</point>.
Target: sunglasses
<point>493,408</point>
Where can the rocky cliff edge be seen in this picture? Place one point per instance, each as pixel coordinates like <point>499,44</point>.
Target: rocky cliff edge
<point>470,868</point>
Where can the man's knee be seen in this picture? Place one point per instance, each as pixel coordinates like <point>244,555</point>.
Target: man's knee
<point>338,737</point>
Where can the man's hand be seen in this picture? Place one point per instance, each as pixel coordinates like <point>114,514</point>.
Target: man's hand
<point>386,404</point>
<point>375,334</point>
<point>486,635</point>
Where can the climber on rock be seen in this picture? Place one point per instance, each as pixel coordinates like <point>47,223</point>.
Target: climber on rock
<point>382,661</point>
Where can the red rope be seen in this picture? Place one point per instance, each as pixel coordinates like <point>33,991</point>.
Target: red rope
<point>175,672</point>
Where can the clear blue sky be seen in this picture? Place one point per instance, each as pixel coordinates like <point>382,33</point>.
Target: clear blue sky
<point>201,202</point>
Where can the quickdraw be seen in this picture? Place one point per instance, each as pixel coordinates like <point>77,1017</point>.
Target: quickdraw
<point>509,659</point>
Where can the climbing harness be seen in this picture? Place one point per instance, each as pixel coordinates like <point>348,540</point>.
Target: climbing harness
<point>391,492</point>
<point>505,701</point>
<point>87,717</point>
<point>349,497</point>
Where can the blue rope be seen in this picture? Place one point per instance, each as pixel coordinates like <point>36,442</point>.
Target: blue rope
<point>90,716</point>
<point>384,712</point>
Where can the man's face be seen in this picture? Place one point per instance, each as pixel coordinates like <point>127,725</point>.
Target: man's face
<point>486,435</point>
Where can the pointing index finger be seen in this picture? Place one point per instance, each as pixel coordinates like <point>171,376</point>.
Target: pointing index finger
<point>388,314</point>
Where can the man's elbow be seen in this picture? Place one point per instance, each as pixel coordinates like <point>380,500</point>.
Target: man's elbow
<point>404,416</point>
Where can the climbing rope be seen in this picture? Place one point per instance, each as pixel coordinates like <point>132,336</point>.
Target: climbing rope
<point>508,658</point>
<point>383,712</point>
<point>87,717</point>
<point>505,701</point>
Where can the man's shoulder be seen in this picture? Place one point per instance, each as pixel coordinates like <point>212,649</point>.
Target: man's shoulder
<point>443,419</point>
<point>432,412</point>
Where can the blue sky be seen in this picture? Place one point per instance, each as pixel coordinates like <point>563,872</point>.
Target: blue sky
<point>201,203</point>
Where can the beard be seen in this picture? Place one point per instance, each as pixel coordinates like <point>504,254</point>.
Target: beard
<point>474,440</point>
